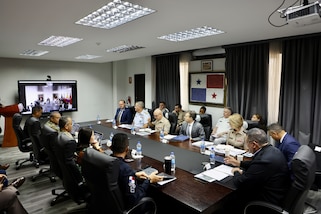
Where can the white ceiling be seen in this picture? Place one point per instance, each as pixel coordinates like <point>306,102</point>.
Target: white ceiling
<point>25,23</point>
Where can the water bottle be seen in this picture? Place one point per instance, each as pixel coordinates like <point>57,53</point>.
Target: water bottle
<point>212,156</point>
<point>111,136</point>
<point>114,123</point>
<point>132,130</point>
<point>202,147</point>
<point>98,119</point>
<point>139,148</point>
<point>161,135</point>
<point>173,162</point>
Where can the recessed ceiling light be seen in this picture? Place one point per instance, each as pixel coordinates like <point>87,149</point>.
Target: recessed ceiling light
<point>113,14</point>
<point>59,41</point>
<point>33,53</point>
<point>124,48</point>
<point>191,34</point>
<point>87,57</point>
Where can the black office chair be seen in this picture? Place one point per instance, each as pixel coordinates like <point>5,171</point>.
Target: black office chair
<point>172,118</point>
<point>303,170</point>
<point>206,121</point>
<point>317,181</point>
<point>49,140</point>
<point>101,174</point>
<point>71,177</point>
<point>24,144</point>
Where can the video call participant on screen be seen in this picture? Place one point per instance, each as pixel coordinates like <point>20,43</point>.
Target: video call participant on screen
<point>161,122</point>
<point>192,128</point>
<point>132,184</point>
<point>141,116</point>
<point>123,114</point>
<point>265,178</point>
<point>222,127</point>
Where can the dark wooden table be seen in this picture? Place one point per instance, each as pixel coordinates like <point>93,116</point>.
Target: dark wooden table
<point>185,194</point>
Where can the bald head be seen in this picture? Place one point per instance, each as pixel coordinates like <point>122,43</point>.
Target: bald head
<point>158,114</point>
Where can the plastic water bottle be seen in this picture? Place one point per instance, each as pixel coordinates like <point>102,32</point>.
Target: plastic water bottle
<point>98,119</point>
<point>212,156</point>
<point>111,136</point>
<point>139,148</point>
<point>202,147</point>
<point>132,130</point>
<point>161,135</point>
<point>114,123</point>
<point>173,162</point>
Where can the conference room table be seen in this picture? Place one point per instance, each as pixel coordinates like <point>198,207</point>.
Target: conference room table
<point>185,194</point>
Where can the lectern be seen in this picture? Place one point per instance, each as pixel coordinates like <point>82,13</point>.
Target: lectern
<point>9,138</point>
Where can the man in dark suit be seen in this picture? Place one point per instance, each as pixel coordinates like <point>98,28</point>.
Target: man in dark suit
<point>192,128</point>
<point>287,144</point>
<point>123,114</point>
<point>265,177</point>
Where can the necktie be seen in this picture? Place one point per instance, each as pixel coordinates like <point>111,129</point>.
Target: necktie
<point>189,131</point>
<point>119,115</point>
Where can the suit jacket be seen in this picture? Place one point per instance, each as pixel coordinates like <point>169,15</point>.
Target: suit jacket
<point>126,117</point>
<point>197,130</point>
<point>288,147</point>
<point>265,178</point>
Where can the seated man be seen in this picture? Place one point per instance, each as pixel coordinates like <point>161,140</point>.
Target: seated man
<point>53,121</point>
<point>123,114</point>
<point>192,128</point>
<point>162,107</point>
<point>141,116</point>
<point>32,129</point>
<point>265,178</point>
<point>202,110</point>
<point>287,144</point>
<point>160,123</point>
<point>131,193</point>
<point>180,113</point>
<point>221,128</point>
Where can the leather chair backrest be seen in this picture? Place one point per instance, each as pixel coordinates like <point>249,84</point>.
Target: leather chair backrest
<point>206,121</point>
<point>49,140</point>
<point>172,118</point>
<point>303,167</point>
<point>24,143</point>
<point>101,174</point>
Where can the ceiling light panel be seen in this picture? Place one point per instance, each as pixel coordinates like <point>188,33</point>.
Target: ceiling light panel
<point>191,34</point>
<point>33,53</point>
<point>59,41</point>
<point>124,48</point>
<point>87,57</point>
<point>113,14</point>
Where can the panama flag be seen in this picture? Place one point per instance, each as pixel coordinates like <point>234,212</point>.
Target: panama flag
<point>207,88</point>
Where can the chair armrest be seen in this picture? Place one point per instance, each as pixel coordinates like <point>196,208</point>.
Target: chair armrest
<point>26,140</point>
<point>146,203</point>
<point>263,207</point>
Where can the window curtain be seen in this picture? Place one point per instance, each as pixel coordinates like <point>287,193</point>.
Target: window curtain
<point>167,80</point>
<point>300,98</point>
<point>247,79</point>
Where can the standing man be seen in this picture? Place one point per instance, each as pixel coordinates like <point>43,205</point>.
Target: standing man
<point>53,121</point>
<point>123,114</point>
<point>142,117</point>
<point>180,113</point>
<point>287,144</point>
<point>192,128</point>
<point>222,127</point>
<point>160,123</point>
<point>265,178</point>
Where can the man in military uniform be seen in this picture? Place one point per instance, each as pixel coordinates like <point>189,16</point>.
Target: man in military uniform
<point>141,117</point>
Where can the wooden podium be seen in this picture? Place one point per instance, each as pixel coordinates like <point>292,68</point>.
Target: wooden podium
<point>9,138</point>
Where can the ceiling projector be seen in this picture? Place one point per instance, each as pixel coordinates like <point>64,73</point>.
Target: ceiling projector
<point>302,15</point>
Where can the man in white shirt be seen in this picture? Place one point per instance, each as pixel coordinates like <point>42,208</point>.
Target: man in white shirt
<point>141,116</point>
<point>221,128</point>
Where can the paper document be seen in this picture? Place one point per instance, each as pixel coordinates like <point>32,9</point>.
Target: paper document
<point>143,133</point>
<point>225,169</point>
<point>125,126</point>
<point>167,180</point>
<point>169,136</point>
<point>216,174</point>
<point>198,143</point>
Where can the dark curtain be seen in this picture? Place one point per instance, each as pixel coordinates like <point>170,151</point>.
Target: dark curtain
<point>300,97</point>
<point>247,79</point>
<point>167,80</point>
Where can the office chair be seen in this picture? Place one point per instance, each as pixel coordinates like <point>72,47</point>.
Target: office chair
<point>24,144</point>
<point>101,174</point>
<point>317,181</point>
<point>71,177</point>
<point>206,121</point>
<point>49,140</point>
<point>172,118</point>
<point>303,170</point>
